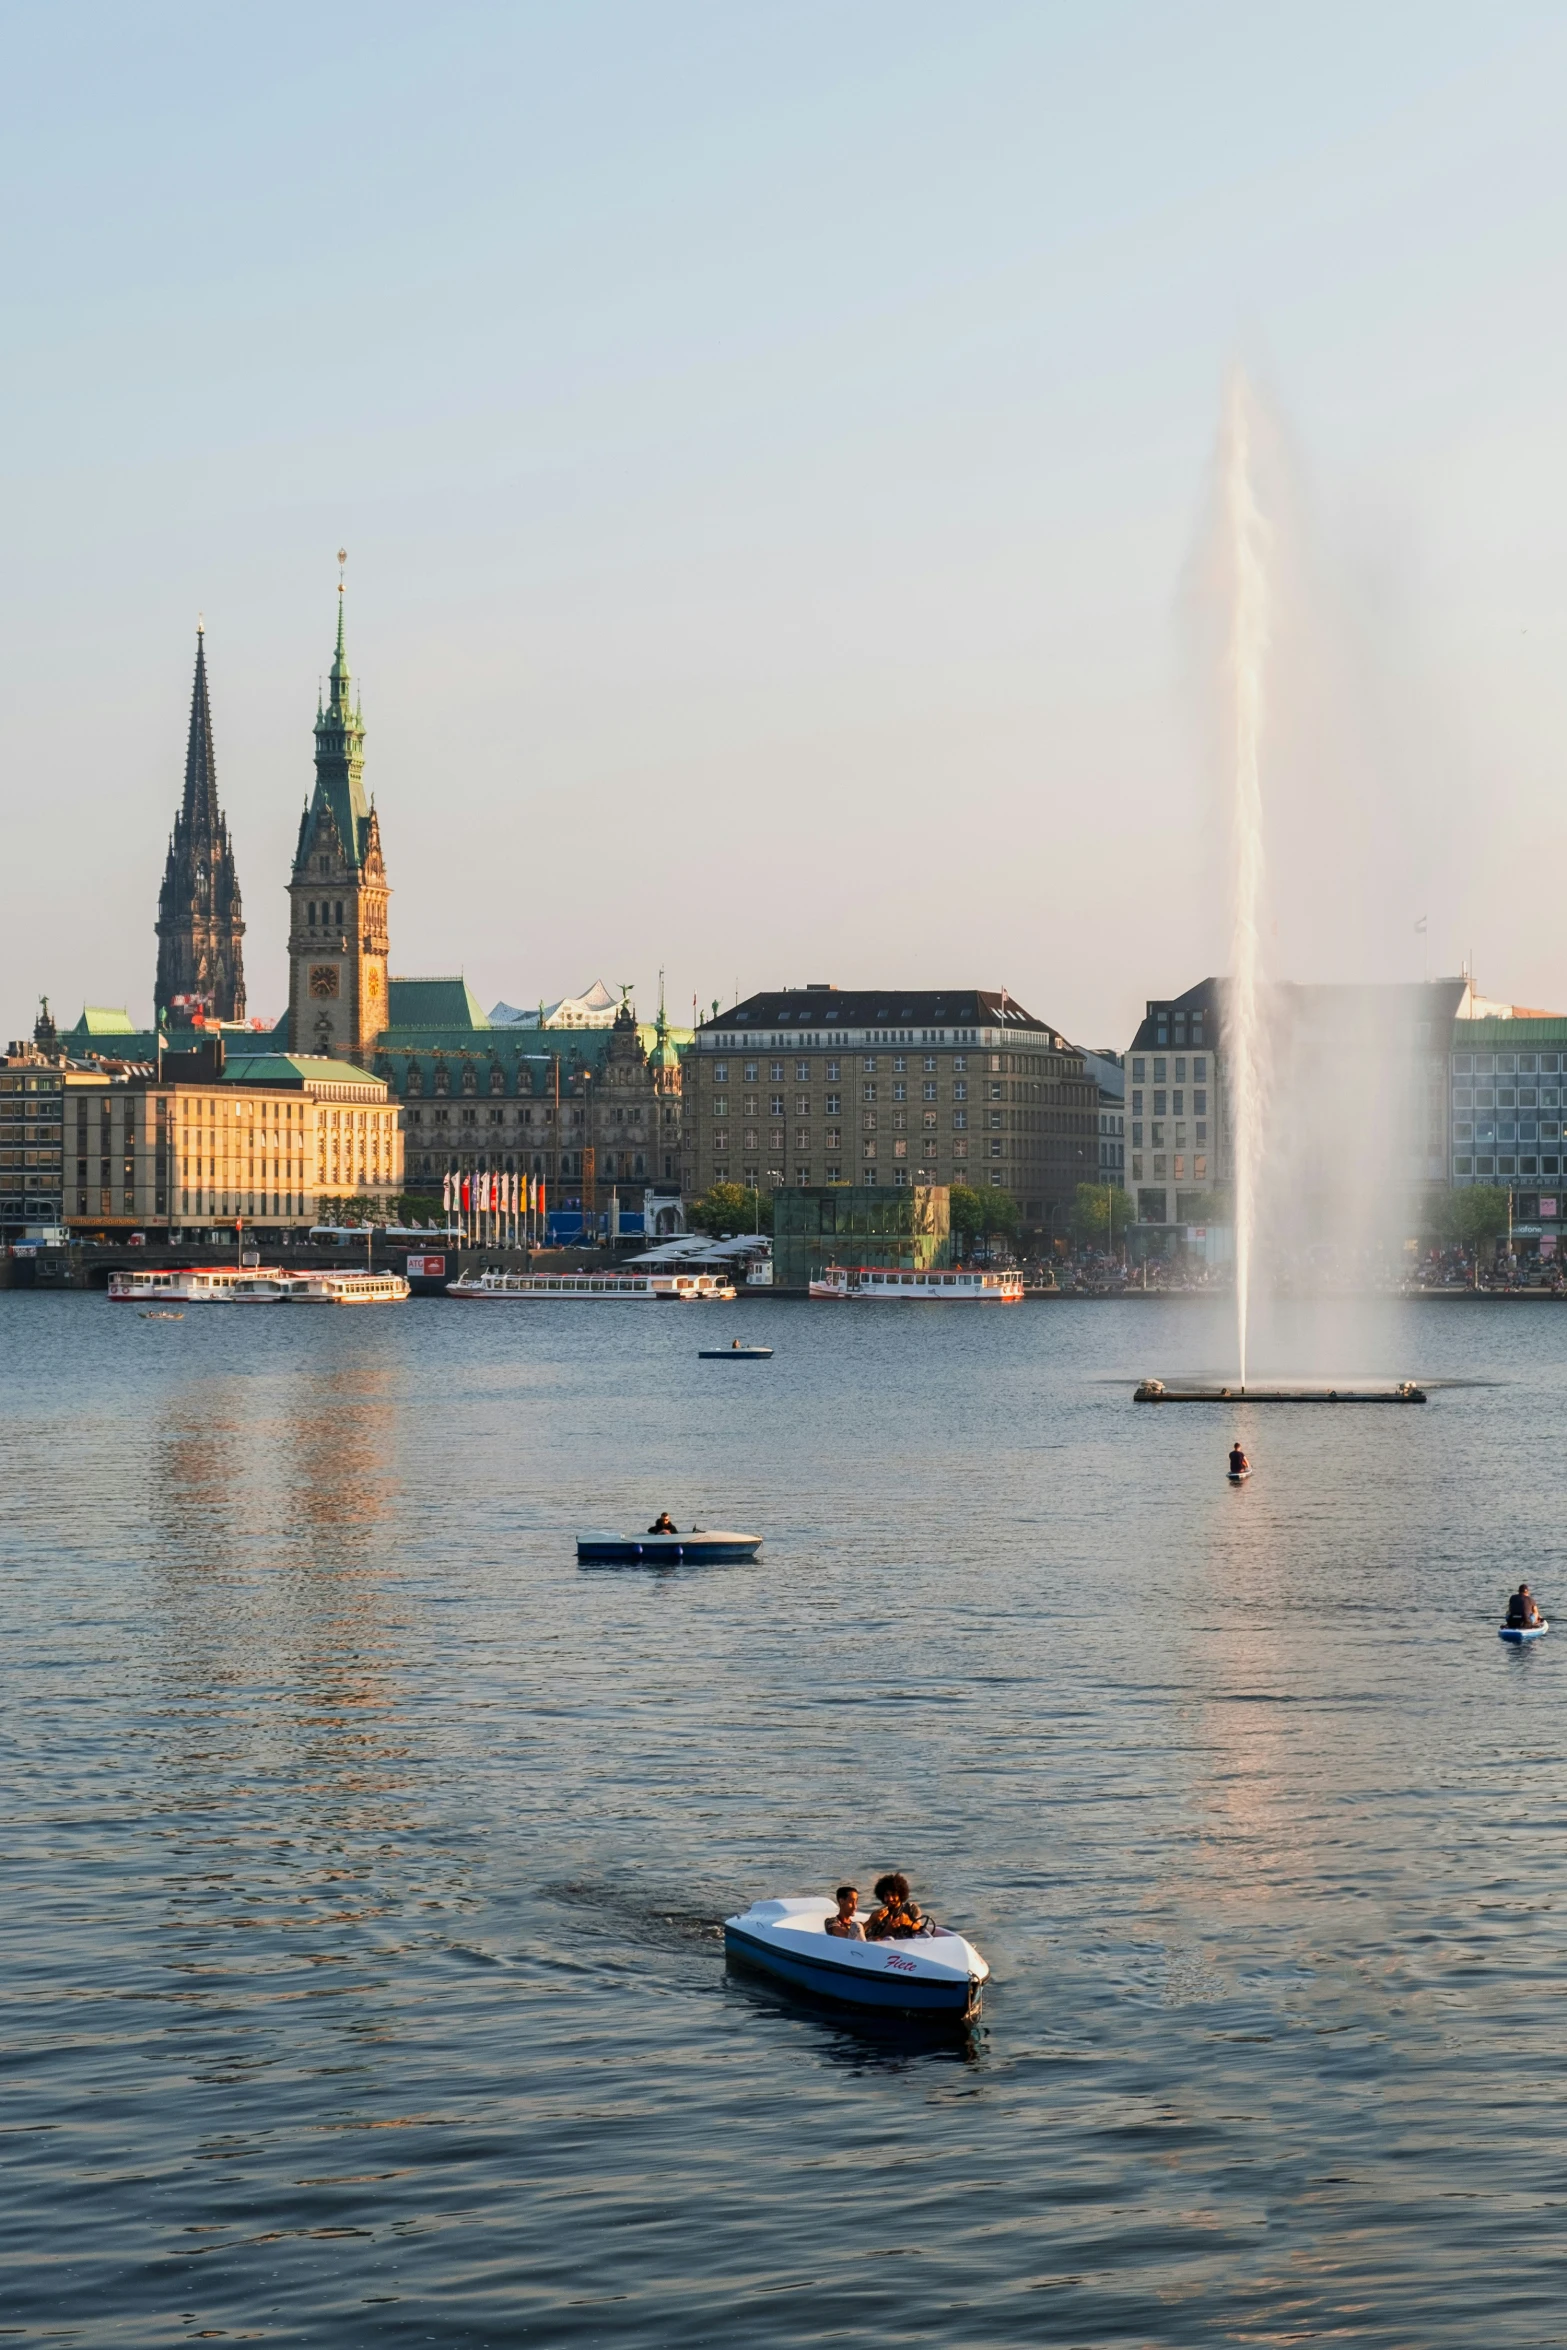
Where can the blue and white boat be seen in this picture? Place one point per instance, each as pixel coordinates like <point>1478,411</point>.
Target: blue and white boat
<point>1518,1634</point>
<point>630,1550</point>
<point>935,1974</point>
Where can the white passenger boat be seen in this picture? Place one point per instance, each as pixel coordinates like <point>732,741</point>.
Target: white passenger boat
<point>885,1284</point>
<point>249,1285</point>
<point>604,1288</point>
<point>630,1550</point>
<point>937,1974</point>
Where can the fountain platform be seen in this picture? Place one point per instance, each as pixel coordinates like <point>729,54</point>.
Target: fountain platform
<point>1275,1391</point>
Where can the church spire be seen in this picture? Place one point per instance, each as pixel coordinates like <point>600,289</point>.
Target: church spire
<point>200,925</point>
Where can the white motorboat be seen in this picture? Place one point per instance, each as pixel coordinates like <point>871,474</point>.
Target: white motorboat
<point>629,1550</point>
<point>937,1974</point>
<point>886,1285</point>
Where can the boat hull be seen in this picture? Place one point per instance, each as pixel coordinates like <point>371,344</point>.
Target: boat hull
<point>886,1988</point>
<point>1518,1635</point>
<point>632,1550</point>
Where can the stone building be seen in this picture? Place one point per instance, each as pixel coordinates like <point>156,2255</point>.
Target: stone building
<point>586,1111</point>
<point>191,1138</point>
<point>892,1088</point>
<point>200,961</point>
<point>337,944</point>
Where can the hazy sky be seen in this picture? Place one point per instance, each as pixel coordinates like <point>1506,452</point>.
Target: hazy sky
<point>773,446</point>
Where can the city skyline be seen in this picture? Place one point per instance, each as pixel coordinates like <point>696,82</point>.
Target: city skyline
<point>841,446</point>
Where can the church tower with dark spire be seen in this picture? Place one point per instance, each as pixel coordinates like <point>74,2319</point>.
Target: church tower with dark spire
<point>200,964</point>
<point>337,948</point>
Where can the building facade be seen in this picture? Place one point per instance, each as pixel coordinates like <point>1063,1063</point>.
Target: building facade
<point>105,1147</point>
<point>1108,1071</point>
<point>338,942</point>
<point>813,1086</point>
<point>850,1224</point>
<point>200,924</point>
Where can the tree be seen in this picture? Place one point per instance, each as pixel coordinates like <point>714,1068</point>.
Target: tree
<point>732,1207</point>
<point>1101,1213</point>
<point>1479,1214</point>
<point>977,1214</point>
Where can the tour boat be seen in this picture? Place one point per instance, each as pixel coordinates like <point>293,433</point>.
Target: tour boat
<point>1519,1633</point>
<point>884,1284</point>
<point>249,1285</point>
<point>515,1288</point>
<point>935,1974</point>
<point>629,1550</point>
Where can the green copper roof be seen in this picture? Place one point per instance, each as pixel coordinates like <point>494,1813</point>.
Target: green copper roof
<point>432,1003</point>
<point>340,754</point>
<point>100,1020</point>
<point>292,1069</point>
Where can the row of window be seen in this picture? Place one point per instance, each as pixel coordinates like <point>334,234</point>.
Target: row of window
<point>1172,1104</point>
<point>898,1063</point>
<point>1157,1136</point>
<point>1508,1164</point>
<point>1506,1097</point>
<point>1506,1130</point>
<point>1171,1165</point>
<point>1161,1067</point>
<point>1508,1064</point>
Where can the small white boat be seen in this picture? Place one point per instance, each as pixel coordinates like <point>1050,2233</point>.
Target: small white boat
<point>1519,1633</point>
<point>886,1285</point>
<point>629,1550</point>
<point>734,1354</point>
<point>935,1974</point>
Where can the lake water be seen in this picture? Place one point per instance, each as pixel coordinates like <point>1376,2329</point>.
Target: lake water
<point>364,1856</point>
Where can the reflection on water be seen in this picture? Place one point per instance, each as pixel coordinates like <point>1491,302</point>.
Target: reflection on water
<point>369,1858</point>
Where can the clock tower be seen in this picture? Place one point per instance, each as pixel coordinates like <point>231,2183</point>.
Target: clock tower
<point>337,942</point>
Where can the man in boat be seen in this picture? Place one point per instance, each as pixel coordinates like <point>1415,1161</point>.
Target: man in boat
<point>846,1925</point>
<point>1240,1466</point>
<point>663,1524</point>
<point>899,1918</point>
<point>1522,1608</point>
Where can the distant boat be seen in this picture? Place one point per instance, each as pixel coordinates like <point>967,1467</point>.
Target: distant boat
<point>255,1285</point>
<point>629,1550</point>
<point>934,1974</point>
<point>885,1285</point>
<point>735,1354</point>
<point>689,1289</point>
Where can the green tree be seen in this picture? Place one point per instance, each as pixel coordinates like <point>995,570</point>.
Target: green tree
<point>732,1207</point>
<point>1101,1213</point>
<point>1479,1214</point>
<point>977,1214</point>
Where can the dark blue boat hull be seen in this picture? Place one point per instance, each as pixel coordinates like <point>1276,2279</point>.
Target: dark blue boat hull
<point>854,1986</point>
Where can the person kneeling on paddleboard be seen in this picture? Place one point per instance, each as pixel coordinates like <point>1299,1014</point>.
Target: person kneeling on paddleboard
<point>1240,1466</point>
<point>1522,1608</point>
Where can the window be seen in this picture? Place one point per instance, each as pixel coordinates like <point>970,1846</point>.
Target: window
<point>802,1138</point>
<point>928,1089</point>
<point>802,1071</point>
<point>959,1120</point>
<point>1202,1130</point>
<point>832,1072</point>
<point>959,1063</point>
<point>748,1105</point>
<point>929,1119</point>
<point>750,1076</point>
<point>834,1138</point>
<point>900,1093</point>
<point>1158,1072</point>
<point>802,1105</point>
<point>899,1064</point>
<point>869,1062</point>
<point>775,1105</point>
<point>1139,1072</point>
<point>929,1063</point>
<point>1178,1103</point>
<point>960,1093</point>
<point>834,1104</point>
<point>1199,1070</point>
<point>1200,1103</point>
<point>1137,1133</point>
<point>775,1071</point>
<point>869,1091</point>
<point>721,1073</point>
<point>1159,1105</point>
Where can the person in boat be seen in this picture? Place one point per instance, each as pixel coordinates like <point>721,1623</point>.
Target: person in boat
<point>1240,1466</point>
<point>899,1918</point>
<point>663,1524</point>
<point>1522,1607</point>
<point>846,1925</point>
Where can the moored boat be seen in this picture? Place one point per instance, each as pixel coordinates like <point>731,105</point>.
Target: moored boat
<point>937,1974</point>
<point>252,1285</point>
<point>602,1288</point>
<point>629,1550</point>
<point>888,1285</point>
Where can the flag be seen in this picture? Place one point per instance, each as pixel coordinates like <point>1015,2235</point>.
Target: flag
<point>467,1194</point>
<point>446,1191</point>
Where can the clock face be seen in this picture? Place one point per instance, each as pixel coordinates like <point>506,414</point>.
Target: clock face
<point>323,979</point>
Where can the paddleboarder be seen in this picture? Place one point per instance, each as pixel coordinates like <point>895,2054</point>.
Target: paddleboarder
<point>1240,1466</point>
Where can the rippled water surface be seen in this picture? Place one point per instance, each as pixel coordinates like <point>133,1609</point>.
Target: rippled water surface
<point>364,1855</point>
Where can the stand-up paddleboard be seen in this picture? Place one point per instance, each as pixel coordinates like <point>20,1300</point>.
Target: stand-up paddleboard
<point>1519,1633</point>
<point>1239,1476</point>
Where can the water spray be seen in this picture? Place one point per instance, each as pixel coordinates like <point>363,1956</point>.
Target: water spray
<point>1247,536</point>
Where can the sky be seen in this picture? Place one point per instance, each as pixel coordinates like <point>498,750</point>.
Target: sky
<point>775,448</point>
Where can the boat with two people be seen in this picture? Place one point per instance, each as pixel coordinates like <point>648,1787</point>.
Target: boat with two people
<point>897,1962</point>
<point>664,1545</point>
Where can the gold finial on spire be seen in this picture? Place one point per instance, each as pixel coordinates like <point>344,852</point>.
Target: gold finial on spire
<point>201,624</point>
<point>342,558</point>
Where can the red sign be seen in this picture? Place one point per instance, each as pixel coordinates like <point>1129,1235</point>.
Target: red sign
<point>426,1268</point>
